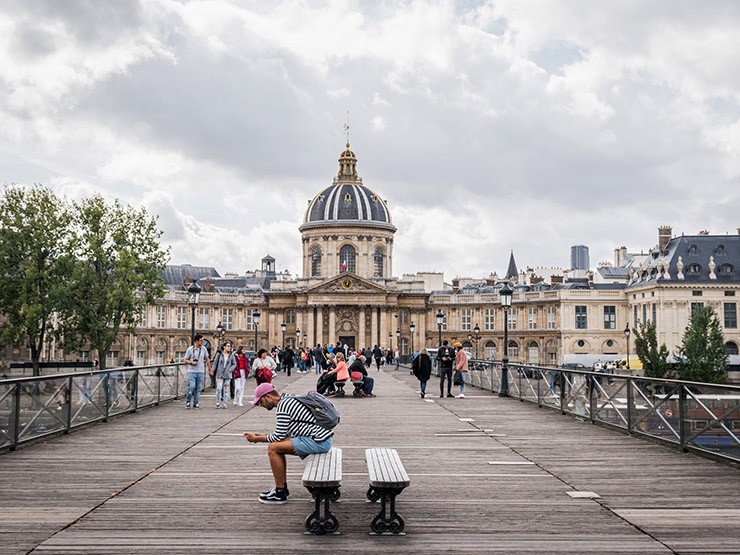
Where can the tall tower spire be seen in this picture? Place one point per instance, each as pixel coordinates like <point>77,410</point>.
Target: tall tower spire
<point>512,272</point>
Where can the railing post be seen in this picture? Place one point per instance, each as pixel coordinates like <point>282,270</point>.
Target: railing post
<point>630,405</point>
<point>68,403</point>
<point>16,416</point>
<point>177,381</point>
<point>106,391</point>
<point>159,383</point>
<point>563,381</point>
<point>136,389</point>
<point>592,398</point>
<point>681,417</point>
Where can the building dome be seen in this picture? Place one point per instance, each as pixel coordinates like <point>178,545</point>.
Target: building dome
<point>347,201</point>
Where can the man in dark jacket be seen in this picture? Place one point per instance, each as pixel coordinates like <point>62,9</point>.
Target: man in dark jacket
<point>367,382</point>
<point>377,355</point>
<point>445,358</point>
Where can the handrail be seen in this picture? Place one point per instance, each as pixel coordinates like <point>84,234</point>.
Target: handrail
<point>698,417</point>
<point>35,407</point>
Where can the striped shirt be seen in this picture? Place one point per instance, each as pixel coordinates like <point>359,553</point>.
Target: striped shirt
<point>294,419</point>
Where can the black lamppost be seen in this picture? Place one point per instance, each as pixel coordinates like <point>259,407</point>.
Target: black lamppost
<point>193,298</point>
<point>256,320</point>
<point>390,340</point>
<point>283,327</point>
<point>412,329</point>
<point>440,321</point>
<point>505,293</point>
<point>221,333</point>
<point>476,337</point>
<point>305,340</point>
<point>297,337</point>
<point>627,336</point>
<point>398,339</point>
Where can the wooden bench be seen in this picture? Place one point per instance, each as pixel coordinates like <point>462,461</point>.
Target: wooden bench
<point>388,478</point>
<point>322,477</point>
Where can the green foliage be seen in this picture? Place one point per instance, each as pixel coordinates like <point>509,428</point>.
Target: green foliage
<point>702,356</point>
<point>115,276</point>
<point>654,360</point>
<point>34,264</point>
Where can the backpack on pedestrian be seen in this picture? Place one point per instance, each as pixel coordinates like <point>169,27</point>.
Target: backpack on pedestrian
<point>322,409</point>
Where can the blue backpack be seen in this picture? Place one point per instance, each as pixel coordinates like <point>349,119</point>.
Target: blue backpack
<point>325,413</point>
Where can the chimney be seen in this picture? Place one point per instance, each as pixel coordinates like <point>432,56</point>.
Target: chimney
<point>620,256</point>
<point>556,279</point>
<point>665,232</point>
<point>455,284</point>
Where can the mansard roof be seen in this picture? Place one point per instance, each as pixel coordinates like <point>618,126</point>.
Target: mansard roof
<point>692,259</point>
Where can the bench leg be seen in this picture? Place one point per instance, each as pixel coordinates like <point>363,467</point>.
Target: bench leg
<point>316,523</point>
<point>387,520</point>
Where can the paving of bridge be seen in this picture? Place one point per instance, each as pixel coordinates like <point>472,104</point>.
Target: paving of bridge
<point>488,475</point>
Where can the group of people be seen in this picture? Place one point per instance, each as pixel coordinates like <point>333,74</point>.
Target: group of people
<point>340,369</point>
<point>449,360</point>
<point>227,368</point>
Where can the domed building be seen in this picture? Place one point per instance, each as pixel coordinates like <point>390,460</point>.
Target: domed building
<point>347,228</point>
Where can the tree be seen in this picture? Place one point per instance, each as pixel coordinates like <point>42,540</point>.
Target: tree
<point>34,264</point>
<point>702,356</point>
<point>116,273</point>
<point>654,360</point>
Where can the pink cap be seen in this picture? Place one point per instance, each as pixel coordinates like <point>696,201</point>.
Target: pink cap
<point>262,390</point>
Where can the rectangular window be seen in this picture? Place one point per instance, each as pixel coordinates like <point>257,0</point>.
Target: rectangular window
<point>204,319</point>
<point>532,318</point>
<point>142,318</point>
<point>489,319</point>
<point>644,313</point>
<point>581,317</point>
<point>179,355</point>
<point>290,316</point>
<point>140,358</point>
<point>112,359</point>
<point>466,316</point>
<point>655,314</point>
<point>159,357</point>
<point>250,321</point>
<point>511,324</point>
<point>729,293</point>
<point>227,318</point>
<point>730,315</point>
<point>161,316</point>
<point>182,317</point>
<point>444,321</point>
<point>610,317</point>
<point>634,316</point>
<point>403,317</point>
<point>695,307</point>
<point>551,317</point>
<point>696,293</point>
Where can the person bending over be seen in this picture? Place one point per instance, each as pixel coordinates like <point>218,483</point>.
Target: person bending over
<point>296,433</point>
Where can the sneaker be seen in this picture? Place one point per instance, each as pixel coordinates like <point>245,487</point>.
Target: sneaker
<point>241,404</point>
<point>187,405</point>
<point>421,394</point>
<point>274,498</point>
<point>273,489</point>
<point>441,396</point>
<point>461,396</point>
<point>450,395</point>
<point>196,406</point>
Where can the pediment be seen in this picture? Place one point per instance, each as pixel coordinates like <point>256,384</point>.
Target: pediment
<point>346,283</point>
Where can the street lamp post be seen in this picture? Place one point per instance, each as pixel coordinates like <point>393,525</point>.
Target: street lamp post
<point>305,340</point>
<point>476,337</point>
<point>283,327</point>
<point>193,298</point>
<point>505,293</point>
<point>627,336</point>
<point>390,340</point>
<point>221,333</point>
<point>412,329</point>
<point>256,319</point>
<point>440,321</point>
<point>297,337</point>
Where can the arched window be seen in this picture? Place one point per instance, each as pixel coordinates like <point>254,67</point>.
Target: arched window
<point>694,269</point>
<point>316,262</point>
<point>731,348</point>
<point>347,259</point>
<point>378,262</point>
<point>489,351</point>
<point>513,351</point>
<point>533,354</point>
<point>725,270</point>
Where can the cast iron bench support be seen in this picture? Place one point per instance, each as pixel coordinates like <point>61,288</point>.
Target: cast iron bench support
<point>388,478</point>
<point>359,384</point>
<point>323,478</point>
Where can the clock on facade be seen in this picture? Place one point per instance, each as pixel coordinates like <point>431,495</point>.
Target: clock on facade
<point>347,283</point>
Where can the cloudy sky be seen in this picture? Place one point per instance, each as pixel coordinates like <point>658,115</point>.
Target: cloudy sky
<point>487,126</point>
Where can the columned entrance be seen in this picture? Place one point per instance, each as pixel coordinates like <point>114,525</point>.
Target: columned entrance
<point>348,340</point>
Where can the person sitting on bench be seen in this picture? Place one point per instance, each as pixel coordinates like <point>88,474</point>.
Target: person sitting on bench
<point>358,371</point>
<point>296,433</point>
<point>338,374</point>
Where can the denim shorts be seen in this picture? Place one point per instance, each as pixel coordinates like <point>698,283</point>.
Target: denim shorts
<point>305,446</point>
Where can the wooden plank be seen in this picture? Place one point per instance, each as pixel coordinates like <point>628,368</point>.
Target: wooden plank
<point>324,469</point>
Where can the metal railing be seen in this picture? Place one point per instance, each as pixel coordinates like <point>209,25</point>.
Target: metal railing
<point>35,407</point>
<point>699,417</point>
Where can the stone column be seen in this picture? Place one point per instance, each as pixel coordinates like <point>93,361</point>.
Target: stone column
<point>361,340</point>
<point>332,324</point>
<point>373,326</point>
<point>319,325</point>
<point>310,326</point>
<point>384,328</point>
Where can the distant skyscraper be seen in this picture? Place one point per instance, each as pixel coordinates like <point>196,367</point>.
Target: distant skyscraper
<point>579,257</point>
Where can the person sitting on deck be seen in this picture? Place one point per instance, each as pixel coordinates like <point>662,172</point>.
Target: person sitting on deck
<point>296,433</point>
<point>358,371</point>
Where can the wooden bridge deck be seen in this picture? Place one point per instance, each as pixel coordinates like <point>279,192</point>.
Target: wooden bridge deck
<point>488,475</point>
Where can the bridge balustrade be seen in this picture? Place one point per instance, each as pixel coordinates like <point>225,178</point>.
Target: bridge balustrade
<point>698,417</point>
<point>35,407</point>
